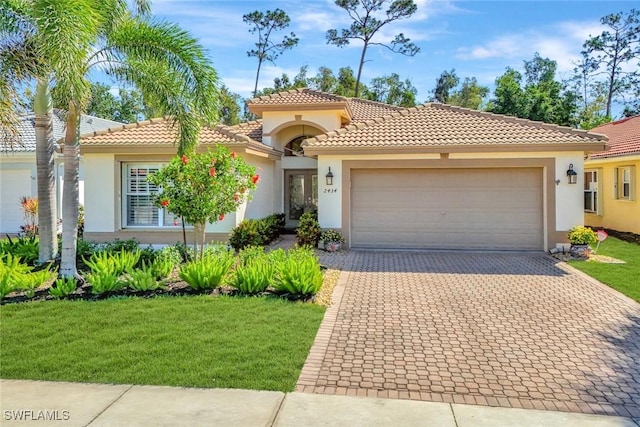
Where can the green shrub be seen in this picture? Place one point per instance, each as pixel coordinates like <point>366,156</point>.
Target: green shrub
<point>255,273</point>
<point>208,272</point>
<point>174,254</point>
<point>130,245</point>
<point>277,256</point>
<point>142,279</point>
<point>147,255</point>
<point>245,234</point>
<point>84,249</point>
<point>331,236</point>
<point>308,231</point>
<point>249,253</point>
<point>161,268</point>
<point>104,281</point>
<point>18,276</point>
<point>31,281</point>
<point>112,263</point>
<point>26,248</point>
<point>6,286</point>
<point>580,235</point>
<point>63,287</point>
<point>299,273</point>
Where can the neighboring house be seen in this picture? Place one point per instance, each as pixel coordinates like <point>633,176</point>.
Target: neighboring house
<point>611,177</point>
<point>433,176</point>
<point>18,167</point>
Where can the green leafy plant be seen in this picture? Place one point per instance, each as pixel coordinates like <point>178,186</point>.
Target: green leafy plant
<point>6,286</point>
<point>580,235</point>
<point>254,276</point>
<point>208,272</point>
<point>160,268</point>
<point>85,248</point>
<point>250,253</point>
<point>25,248</point>
<point>104,281</point>
<point>299,273</point>
<point>130,245</point>
<point>246,234</point>
<point>176,254</point>
<point>331,236</point>
<point>31,281</point>
<point>142,279</point>
<point>18,276</point>
<point>63,287</point>
<point>308,231</point>
<point>112,263</point>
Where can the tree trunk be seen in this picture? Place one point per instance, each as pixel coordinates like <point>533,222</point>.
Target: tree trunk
<point>45,172</point>
<point>255,87</point>
<point>364,52</point>
<point>70,195</point>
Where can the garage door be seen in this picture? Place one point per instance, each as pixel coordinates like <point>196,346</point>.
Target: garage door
<point>15,185</point>
<point>447,208</point>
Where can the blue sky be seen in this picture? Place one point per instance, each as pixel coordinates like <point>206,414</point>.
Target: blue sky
<point>477,38</point>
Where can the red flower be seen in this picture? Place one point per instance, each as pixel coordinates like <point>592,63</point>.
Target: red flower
<point>185,160</point>
<point>221,217</point>
<point>175,223</point>
<point>255,178</point>
<point>212,172</point>
<point>164,203</point>
<point>236,197</point>
<point>233,154</point>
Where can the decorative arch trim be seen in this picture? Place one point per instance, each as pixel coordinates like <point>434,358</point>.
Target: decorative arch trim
<point>295,123</point>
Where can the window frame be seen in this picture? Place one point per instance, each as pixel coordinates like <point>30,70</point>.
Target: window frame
<point>594,190</point>
<point>162,214</point>
<point>624,180</point>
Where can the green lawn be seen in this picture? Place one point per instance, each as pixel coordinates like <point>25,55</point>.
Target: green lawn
<point>251,343</point>
<point>624,278</point>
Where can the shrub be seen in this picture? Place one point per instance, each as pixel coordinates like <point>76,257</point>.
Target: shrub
<point>16,275</point>
<point>174,254</point>
<point>130,245</point>
<point>580,235</point>
<point>299,273</point>
<point>249,253</point>
<point>31,281</point>
<point>308,230</point>
<point>6,286</point>
<point>113,263</point>
<point>331,236</point>
<point>103,282</point>
<point>25,248</point>
<point>147,255</point>
<point>208,272</point>
<point>254,276</point>
<point>161,268</point>
<point>63,287</point>
<point>85,248</point>
<point>142,279</point>
<point>245,234</point>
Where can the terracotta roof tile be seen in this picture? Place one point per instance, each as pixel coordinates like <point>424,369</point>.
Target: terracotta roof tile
<point>624,137</point>
<point>444,125</point>
<point>297,96</point>
<point>160,132</point>
<point>362,109</point>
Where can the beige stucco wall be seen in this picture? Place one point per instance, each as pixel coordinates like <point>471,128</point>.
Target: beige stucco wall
<point>100,193</point>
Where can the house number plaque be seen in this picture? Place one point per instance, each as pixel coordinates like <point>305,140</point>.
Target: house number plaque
<point>330,190</point>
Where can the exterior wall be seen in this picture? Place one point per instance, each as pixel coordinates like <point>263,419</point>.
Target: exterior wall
<point>563,202</point>
<point>616,214</point>
<point>103,201</point>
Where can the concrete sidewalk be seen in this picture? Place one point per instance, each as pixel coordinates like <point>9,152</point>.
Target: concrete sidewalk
<point>76,404</point>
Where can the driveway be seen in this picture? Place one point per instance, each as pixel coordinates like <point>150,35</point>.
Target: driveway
<point>501,329</point>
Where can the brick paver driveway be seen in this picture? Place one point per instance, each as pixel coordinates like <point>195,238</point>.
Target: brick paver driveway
<point>499,329</point>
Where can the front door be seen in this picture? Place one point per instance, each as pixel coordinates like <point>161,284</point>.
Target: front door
<point>300,194</point>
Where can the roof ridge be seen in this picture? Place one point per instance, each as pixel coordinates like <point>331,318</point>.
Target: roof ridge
<point>518,120</point>
<point>280,94</point>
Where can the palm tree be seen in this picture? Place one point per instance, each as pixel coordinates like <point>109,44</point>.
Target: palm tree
<point>163,61</point>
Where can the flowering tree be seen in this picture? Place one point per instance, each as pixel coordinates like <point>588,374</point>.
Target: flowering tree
<point>204,187</point>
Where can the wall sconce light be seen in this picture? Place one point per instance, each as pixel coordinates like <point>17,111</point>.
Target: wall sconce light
<point>329,177</point>
<point>572,175</point>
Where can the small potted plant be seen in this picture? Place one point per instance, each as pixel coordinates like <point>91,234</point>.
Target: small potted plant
<point>332,240</point>
<point>580,238</point>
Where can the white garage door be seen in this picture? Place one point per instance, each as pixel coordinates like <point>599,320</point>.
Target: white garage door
<point>15,185</point>
<point>447,208</point>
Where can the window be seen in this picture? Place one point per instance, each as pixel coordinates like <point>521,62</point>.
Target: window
<point>624,183</point>
<point>591,191</point>
<point>294,148</point>
<point>138,209</point>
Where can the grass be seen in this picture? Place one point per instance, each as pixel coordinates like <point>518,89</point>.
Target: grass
<point>624,278</point>
<point>250,343</point>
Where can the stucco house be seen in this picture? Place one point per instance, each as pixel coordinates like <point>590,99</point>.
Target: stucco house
<point>18,166</point>
<point>610,178</point>
<point>432,176</point>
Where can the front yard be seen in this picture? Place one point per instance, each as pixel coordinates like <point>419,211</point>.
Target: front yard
<point>624,278</point>
<point>193,341</point>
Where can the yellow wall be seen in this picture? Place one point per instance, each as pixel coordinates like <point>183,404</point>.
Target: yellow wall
<point>616,214</point>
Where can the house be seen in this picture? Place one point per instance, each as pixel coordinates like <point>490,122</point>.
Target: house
<point>610,178</point>
<point>432,176</point>
<point>18,167</point>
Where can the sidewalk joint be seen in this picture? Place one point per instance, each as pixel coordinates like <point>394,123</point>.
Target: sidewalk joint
<point>109,405</point>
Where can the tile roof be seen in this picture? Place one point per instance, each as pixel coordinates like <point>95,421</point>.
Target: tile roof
<point>297,96</point>
<point>433,125</point>
<point>27,133</point>
<point>362,109</point>
<point>624,137</point>
<point>156,132</point>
